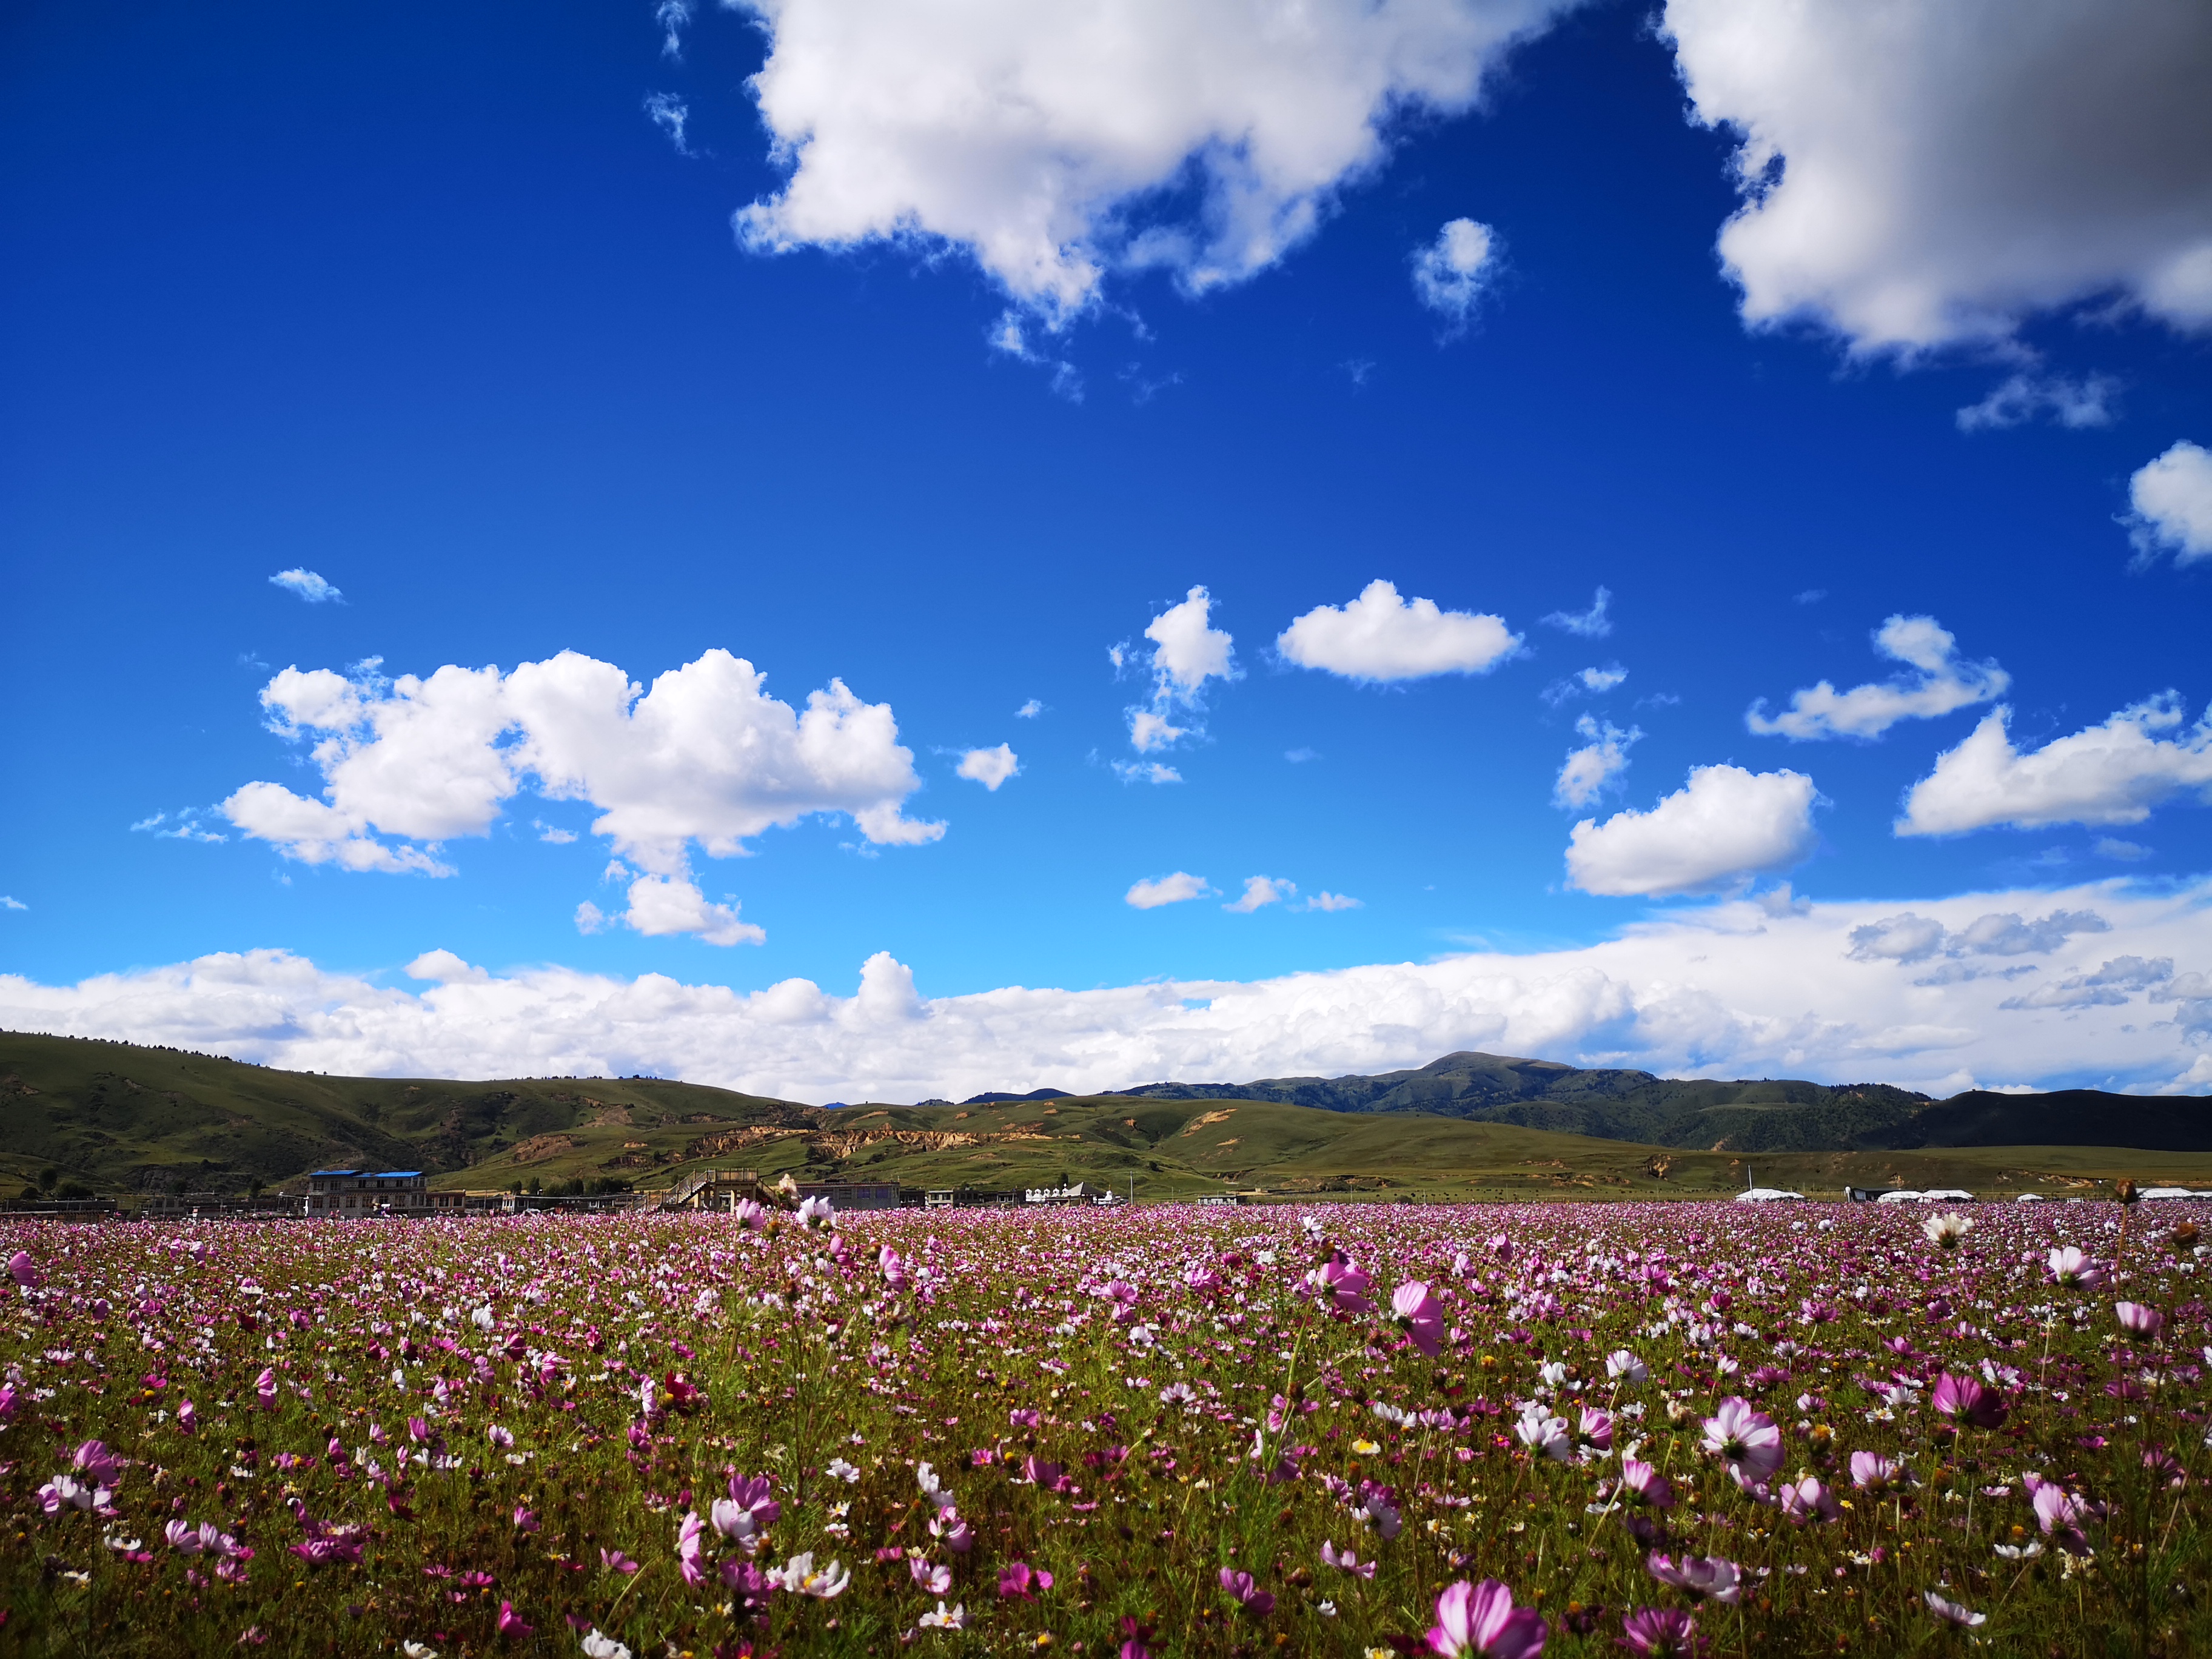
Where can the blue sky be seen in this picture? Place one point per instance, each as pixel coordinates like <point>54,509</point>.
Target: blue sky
<point>430,304</point>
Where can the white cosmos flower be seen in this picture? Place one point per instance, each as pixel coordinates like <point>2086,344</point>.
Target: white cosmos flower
<point>797,1576</point>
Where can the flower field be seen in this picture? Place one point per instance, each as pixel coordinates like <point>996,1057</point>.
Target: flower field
<point>1662,1429</point>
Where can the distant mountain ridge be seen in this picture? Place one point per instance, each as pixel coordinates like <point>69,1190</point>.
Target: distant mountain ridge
<point>1766,1115</point>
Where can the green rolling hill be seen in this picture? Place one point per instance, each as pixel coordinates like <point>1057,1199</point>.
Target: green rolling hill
<point>123,1119</point>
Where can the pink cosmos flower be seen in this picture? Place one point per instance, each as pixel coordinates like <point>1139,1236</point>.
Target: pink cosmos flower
<point>2074,1270</point>
<point>1256,1601</point>
<point>94,1459</point>
<point>616,1561</point>
<point>526,1520</point>
<point>894,1269</point>
<point>1019,1578</point>
<point>2138,1319</point>
<point>1594,1430</point>
<point>510,1623</point>
<point>62,1493</point>
<point>188,1417</point>
<point>2060,1513</point>
<point>931,1577</point>
<point>1661,1633</point>
<point>1746,1436</point>
<point>691,1546</point>
<point>1872,1471</point>
<point>1964,1397</point>
<point>1707,1578</point>
<point>955,1533</point>
<point>1481,1618</point>
<point>1951,1612</point>
<point>24,1271</point>
<point>1645,1485</point>
<point>1809,1500</point>
<point>1421,1314</point>
<point>264,1388</point>
<point>1345,1560</point>
<point>1342,1285</point>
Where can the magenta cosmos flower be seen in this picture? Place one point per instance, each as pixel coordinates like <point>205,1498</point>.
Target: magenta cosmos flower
<point>1256,1601</point>
<point>1421,1314</point>
<point>1661,1633</point>
<point>1481,1618</point>
<point>1964,1398</point>
<point>1746,1436</point>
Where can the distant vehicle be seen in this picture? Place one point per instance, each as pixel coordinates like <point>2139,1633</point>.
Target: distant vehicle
<point>2029,1198</point>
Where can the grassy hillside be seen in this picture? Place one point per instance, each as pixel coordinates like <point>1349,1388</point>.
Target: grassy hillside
<point>128,1120</point>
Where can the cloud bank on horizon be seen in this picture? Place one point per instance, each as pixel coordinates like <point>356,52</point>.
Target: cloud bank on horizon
<point>1978,990</point>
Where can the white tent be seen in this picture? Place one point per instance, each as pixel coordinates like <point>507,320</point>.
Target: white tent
<point>1902,1195</point>
<point>1768,1195</point>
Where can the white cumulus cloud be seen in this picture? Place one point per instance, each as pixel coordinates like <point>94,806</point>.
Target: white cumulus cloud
<point>1175,888</point>
<point>2112,773</point>
<point>1328,900</point>
<point>1736,989</point>
<point>444,968</point>
<point>1920,172</point>
<point>662,906</point>
<point>1380,637</point>
<point>1259,890</point>
<point>1186,652</point>
<point>1947,682</point>
<point>2171,499</point>
<point>989,766</point>
<point>1597,763</point>
<point>705,756</point>
<point>1054,144</point>
<point>308,586</point>
<point>1720,829</point>
<point>1450,273</point>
